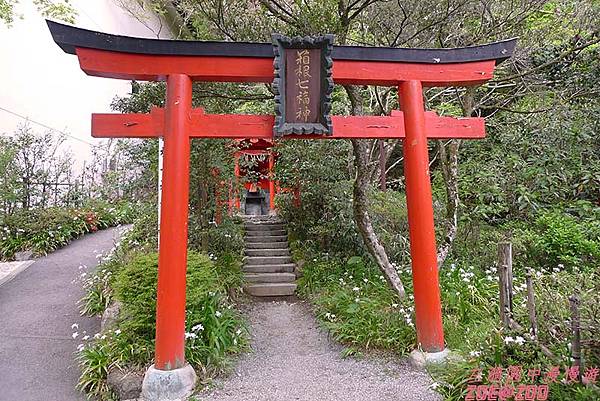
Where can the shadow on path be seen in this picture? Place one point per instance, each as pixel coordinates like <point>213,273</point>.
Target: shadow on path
<point>37,309</point>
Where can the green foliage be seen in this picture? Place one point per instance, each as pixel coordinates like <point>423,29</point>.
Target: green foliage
<point>214,329</point>
<point>62,10</point>
<point>45,230</point>
<point>557,239</point>
<point>531,163</point>
<point>226,238</point>
<point>95,363</point>
<point>355,304</point>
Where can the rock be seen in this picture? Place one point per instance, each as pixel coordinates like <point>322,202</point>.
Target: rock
<point>126,384</point>
<point>24,255</point>
<point>110,315</point>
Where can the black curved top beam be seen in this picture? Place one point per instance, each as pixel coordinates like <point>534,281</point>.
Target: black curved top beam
<point>70,37</point>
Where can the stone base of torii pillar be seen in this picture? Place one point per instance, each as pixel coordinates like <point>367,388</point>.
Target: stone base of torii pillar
<point>420,359</point>
<point>168,385</point>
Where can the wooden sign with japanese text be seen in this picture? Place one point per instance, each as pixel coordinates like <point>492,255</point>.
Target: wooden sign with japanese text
<point>302,85</point>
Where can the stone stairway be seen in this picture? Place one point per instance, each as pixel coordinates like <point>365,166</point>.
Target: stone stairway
<point>268,267</point>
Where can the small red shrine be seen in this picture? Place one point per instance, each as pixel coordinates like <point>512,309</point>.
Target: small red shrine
<point>255,164</point>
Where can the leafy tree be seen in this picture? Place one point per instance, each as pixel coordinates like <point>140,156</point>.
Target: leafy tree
<point>556,39</point>
<point>62,10</point>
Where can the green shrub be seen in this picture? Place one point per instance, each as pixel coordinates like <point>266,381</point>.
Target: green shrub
<point>45,230</point>
<point>558,240</point>
<point>324,218</point>
<point>214,329</point>
<point>227,238</point>
<point>353,301</point>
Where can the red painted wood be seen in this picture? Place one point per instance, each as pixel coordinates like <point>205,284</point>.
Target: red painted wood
<point>145,67</point>
<point>423,251</point>
<point>271,182</point>
<point>261,126</point>
<point>172,259</point>
<point>236,173</point>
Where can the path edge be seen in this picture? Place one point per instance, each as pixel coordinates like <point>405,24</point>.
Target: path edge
<point>15,272</point>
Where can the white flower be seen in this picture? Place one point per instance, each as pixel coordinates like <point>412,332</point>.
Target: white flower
<point>84,338</point>
<point>365,280</point>
<point>356,289</point>
<point>394,305</point>
<point>74,335</point>
<point>356,300</point>
<point>80,347</point>
<point>198,327</point>
<point>435,385</point>
<point>508,340</point>
<point>117,332</point>
<point>74,326</point>
<point>103,337</point>
<point>519,340</point>
<point>191,335</point>
<point>475,353</point>
<point>238,332</point>
<point>218,314</point>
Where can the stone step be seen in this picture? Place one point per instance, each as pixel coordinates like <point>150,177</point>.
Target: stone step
<point>264,227</point>
<point>268,252</point>
<point>270,289</point>
<point>262,220</point>
<point>250,234</point>
<point>266,245</point>
<point>267,260</point>
<point>270,277</point>
<point>267,238</point>
<point>281,268</point>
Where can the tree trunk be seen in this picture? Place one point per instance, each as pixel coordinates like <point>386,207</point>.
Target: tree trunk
<point>360,204</point>
<point>449,162</point>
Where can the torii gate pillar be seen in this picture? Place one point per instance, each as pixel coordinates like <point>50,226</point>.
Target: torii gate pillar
<point>170,374</point>
<point>172,260</point>
<point>428,310</point>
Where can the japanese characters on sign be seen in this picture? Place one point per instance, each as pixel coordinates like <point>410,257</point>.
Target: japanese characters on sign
<point>301,107</point>
<point>302,85</point>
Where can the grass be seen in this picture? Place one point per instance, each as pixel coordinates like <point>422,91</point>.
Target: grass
<point>355,304</point>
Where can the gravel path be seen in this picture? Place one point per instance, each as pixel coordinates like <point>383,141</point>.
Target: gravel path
<point>293,359</point>
<point>37,309</point>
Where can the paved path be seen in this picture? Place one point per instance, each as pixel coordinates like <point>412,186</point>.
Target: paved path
<point>37,309</point>
<point>292,359</point>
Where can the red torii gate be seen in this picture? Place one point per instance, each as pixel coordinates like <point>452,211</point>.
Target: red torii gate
<point>179,63</point>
